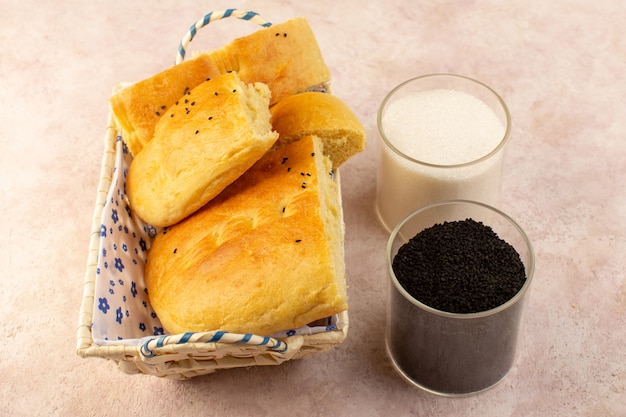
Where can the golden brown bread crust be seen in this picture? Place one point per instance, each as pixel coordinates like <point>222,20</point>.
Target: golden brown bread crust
<point>323,115</point>
<point>205,141</point>
<point>138,107</point>
<point>285,56</point>
<point>265,255</point>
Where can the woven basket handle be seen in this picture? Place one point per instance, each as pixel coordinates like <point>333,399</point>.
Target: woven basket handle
<point>211,17</point>
<point>179,341</point>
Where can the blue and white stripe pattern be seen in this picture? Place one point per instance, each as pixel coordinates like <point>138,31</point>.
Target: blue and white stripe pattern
<point>211,17</point>
<point>148,347</point>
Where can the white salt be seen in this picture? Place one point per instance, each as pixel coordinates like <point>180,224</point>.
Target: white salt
<point>441,127</point>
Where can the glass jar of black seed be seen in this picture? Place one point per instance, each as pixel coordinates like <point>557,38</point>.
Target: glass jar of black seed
<point>459,273</point>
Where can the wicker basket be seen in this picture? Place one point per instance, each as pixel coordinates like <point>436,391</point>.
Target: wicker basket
<point>186,355</point>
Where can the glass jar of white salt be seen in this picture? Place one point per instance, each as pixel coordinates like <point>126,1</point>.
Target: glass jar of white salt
<point>442,138</point>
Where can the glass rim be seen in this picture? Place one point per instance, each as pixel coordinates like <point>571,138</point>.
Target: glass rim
<point>493,152</point>
<point>530,269</point>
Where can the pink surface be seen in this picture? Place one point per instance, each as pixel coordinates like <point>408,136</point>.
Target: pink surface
<point>559,66</point>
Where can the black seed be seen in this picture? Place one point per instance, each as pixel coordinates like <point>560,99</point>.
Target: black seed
<point>158,114</point>
<point>197,131</point>
<point>312,153</point>
<point>234,90</point>
<point>163,107</point>
<point>193,103</point>
<point>284,160</point>
<point>210,118</point>
<point>216,93</point>
<point>175,249</point>
<point>459,267</point>
<point>289,169</point>
<point>298,240</point>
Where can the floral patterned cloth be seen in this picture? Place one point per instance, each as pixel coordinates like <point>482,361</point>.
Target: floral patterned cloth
<point>122,310</point>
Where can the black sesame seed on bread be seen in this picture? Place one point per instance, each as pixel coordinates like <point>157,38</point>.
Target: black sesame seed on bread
<point>201,144</point>
<point>265,255</point>
<point>285,56</point>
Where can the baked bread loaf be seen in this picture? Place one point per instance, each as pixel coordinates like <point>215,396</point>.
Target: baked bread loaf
<point>265,255</point>
<point>285,56</point>
<point>205,141</point>
<point>323,115</point>
<point>138,107</point>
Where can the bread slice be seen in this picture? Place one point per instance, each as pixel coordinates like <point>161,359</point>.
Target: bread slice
<point>285,56</point>
<point>204,142</point>
<point>138,107</point>
<point>323,115</point>
<point>263,256</point>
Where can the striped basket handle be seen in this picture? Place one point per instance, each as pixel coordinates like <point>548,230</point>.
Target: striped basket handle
<point>211,17</point>
<point>147,350</point>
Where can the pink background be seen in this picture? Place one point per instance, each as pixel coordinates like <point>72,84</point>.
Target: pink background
<point>560,66</point>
